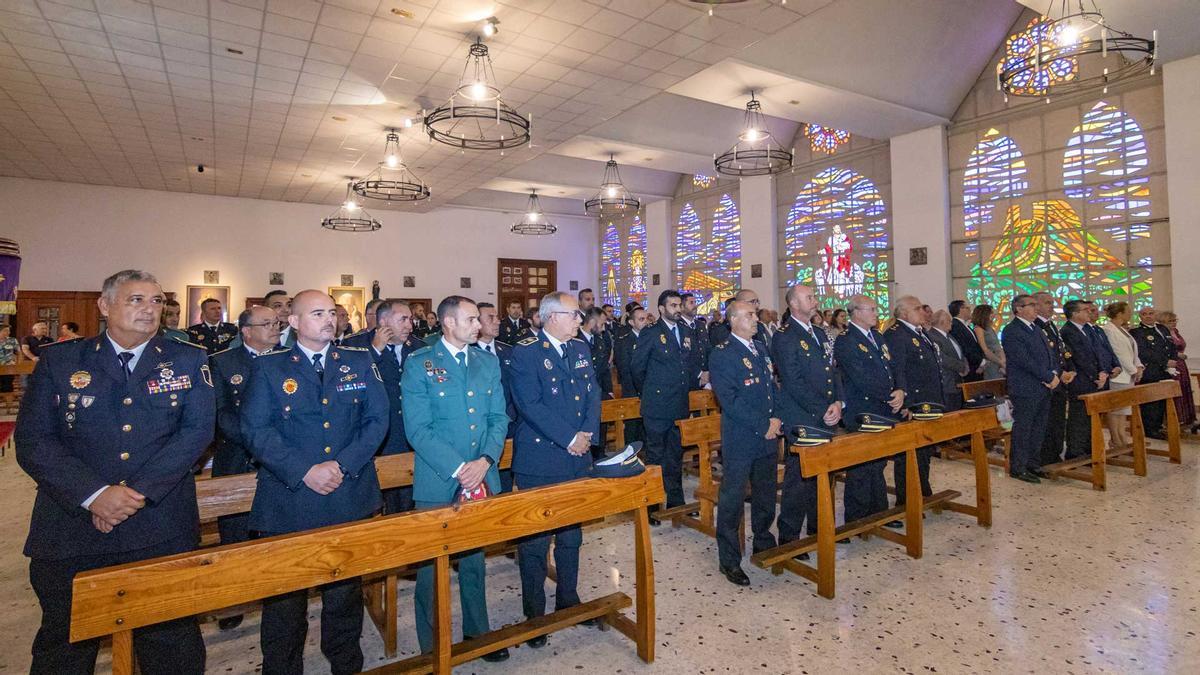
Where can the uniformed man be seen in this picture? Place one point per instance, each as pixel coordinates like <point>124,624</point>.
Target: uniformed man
<point>513,324</point>
<point>455,421</point>
<point>719,332</point>
<point>1052,446</point>
<point>212,333</point>
<point>1031,376</point>
<point>231,373</point>
<point>341,329</point>
<point>600,351</point>
<point>587,300</point>
<point>170,322</point>
<point>750,433</point>
<point>917,370</point>
<point>699,328</point>
<point>558,400</point>
<point>489,330</point>
<point>533,324</point>
<point>1085,358</point>
<point>665,368</point>
<point>610,321</point>
<point>281,302</point>
<point>810,395</point>
<point>623,358</point>
<point>1159,354</point>
<point>109,429</point>
<point>864,361</point>
<point>420,321</point>
<point>313,417</point>
<point>391,345</point>
<point>371,313</point>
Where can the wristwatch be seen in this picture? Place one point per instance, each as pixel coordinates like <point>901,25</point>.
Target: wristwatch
<point>490,461</point>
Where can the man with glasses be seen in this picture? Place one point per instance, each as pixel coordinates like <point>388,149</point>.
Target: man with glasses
<point>231,374</point>
<point>1032,376</point>
<point>719,332</point>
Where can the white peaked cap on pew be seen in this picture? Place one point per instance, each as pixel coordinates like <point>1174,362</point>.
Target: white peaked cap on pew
<point>621,465</point>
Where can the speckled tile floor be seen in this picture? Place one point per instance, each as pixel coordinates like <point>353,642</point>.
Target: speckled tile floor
<point>1067,580</point>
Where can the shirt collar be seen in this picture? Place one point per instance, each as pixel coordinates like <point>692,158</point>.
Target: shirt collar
<point>1078,325</point>
<point>862,330</point>
<point>454,352</point>
<point>944,333</point>
<point>486,343</point>
<point>137,351</point>
<point>744,341</point>
<point>308,353</point>
<point>804,325</point>
<point>558,344</point>
<point>1028,323</point>
<point>213,326</point>
<point>911,326</point>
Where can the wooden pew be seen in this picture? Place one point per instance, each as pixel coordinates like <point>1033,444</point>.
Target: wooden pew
<point>999,389</point>
<point>700,402</point>
<point>976,423</point>
<point>1102,402</point>
<point>618,410</point>
<point>116,600</point>
<point>841,453</point>
<point>701,435</point>
<point>10,400</point>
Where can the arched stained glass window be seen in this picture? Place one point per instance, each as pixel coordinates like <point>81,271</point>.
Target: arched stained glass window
<point>1105,163</point>
<point>610,266</point>
<point>995,171</point>
<point>708,253</point>
<point>636,267</point>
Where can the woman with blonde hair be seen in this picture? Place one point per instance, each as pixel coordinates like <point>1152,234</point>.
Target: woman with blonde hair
<point>1125,347</point>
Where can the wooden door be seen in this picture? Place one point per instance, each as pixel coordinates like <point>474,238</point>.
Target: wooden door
<point>56,308</point>
<point>525,281</point>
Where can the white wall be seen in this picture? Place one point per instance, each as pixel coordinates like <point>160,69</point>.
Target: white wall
<point>72,236</point>
<point>760,238</point>
<point>1181,100</point>
<point>921,214</point>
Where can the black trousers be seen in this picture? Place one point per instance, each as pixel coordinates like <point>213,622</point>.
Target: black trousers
<point>865,492</point>
<point>1079,429</point>
<point>1154,416</point>
<point>1056,428</point>
<point>954,400</point>
<point>634,431</point>
<point>798,504</point>
<point>171,648</point>
<point>1029,424</point>
<point>760,472</point>
<point>285,628</point>
<point>532,555</point>
<point>901,479</point>
<point>663,449</point>
<point>398,500</point>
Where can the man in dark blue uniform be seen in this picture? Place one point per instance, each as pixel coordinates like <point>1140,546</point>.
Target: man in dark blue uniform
<point>918,371</point>
<point>231,374</point>
<point>1086,359</point>
<point>489,330</point>
<point>1158,353</point>
<point>1052,444</point>
<point>313,417</point>
<point>281,302</point>
<point>513,323</point>
<point>212,333</point>
<point>863,358</point>
<point>1031,377</point>
<point>719,332</point>
<point>623,359</point>
<point>665,368</point>
<point>600,350</point>
<point>810,395</point>
<point>750,433</point>
<point>558,400</point>
<point>109,429</point>
<point>699,328</point>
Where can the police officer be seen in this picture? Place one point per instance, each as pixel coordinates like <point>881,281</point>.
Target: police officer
<point>170,322</point>
<point>1052,446</point>
<point>513,324</point>
<point>750,433</point>
<point>1159,354</point>
<point>810,395</point>
<point>719,332</point>
<point>600,350</point>
<point>489,330</point>
<point>623,358</point>
<point>665,368</point>
<point>1031,376</point>
<point>366,337</point>
<point>109,429</point>
<point>533,324</point>
<point>864,361</point>
<point>313,417</point>
<point>281,302</point>
<point>212,333</point>
<point>699,328</point>
<point>455,421</point>
<point>918,372</point>
<point>231,373</point>
<point>558,400</point>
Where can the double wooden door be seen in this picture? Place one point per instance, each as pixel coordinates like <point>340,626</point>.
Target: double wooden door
<point>56,308</point>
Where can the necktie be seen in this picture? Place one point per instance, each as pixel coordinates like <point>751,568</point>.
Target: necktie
<point>316,359</point>
<point>564,353</point>
<point>461,357</point>
<point>488,349</point>
<point>871,337</point>
<point>752,349</point>
<point>675,332</point>
<point>125,358</point>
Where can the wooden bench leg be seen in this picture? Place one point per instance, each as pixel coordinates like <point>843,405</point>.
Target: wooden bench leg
<point>122,653</point>
<point>442,635</point>
<point>983,486</point>
<point>644,564</point>
<point>1172,432</point>
<point>1138,434</point>
<point>1099,455</point>
<point>826,555</point>
<point>914,504</point>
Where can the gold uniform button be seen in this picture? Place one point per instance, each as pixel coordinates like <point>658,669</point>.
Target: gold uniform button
<point>128,401</point>
<point>174,396</point>
<point>127,428</point>
<point>174,403</point>
<point>326,425</point>
<point>324,401</point>
<point>328,449</point>
<point>576,398</point>
<point>124,456</point>
<point>70,406</point>
<point>122,483</point>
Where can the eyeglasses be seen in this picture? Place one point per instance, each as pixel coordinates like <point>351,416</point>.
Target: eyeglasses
<point>271,324</point>
<point>576,314</point>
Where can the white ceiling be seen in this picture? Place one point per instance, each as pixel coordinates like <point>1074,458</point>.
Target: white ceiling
<point>283,99</point>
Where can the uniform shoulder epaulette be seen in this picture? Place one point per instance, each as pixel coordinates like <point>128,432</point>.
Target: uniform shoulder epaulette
<point>527,341</point>
<point>722,345</point>
<point>227,349</point>
<point>421,350</point>
<point>61,342</point>
<point>357,333</point>
<point>577,339</point>
<point>276,352</point>
<point>783,328</point>
<point>352,349</point>
<point>501,342</point>
<point>190,344</point>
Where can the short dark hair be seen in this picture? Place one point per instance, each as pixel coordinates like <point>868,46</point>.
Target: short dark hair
<point>244,318</point>
<point>373,307</point>
<point>208,300</point>
<point>685,296</point>
<point>594,313</point>
<point>629,306</point>
<point>514,302</point>
<point>450,304</point>
<point>667,295</point>
<point>1018,299</point>
<point>530,312</point>
<point>485,305</point>
<point>955,307</point>
<point>1073,306</point>
<point>386,307</point>
<point>170,302</point>
<point>607,306</point>
<point>271,294</point>
<point>72,326</point>
<point>585,290</point>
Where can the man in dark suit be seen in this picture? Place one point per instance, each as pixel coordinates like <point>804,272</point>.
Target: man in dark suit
<point>1031,376</point>
<point>961,331</point>
<point>212,333</point>
<point>313,417</point>
<point>231,374</point>
<point>1084,357</point>
<point>1056,424</point>
<point>558,402</point>
<point>1158,355</point>
<point>665,367</point>
<point>513,323</point>
<point>865,364</point>
<point>917,370</point>
<point>750,433</point>
<point>109,429</point>
<point>623,359</point>
<point>810,395</point>
<point>953,361</point>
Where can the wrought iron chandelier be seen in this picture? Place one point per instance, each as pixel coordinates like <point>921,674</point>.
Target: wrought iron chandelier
<point>475,117</point>
<point>613,199</point>
<point>534,221</point>
<point>756,153</point>
<point>391,181</point>
<point>1046,56</point>
<point>350,217</point>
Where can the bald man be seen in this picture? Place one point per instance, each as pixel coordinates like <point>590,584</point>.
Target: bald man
<point>720,330</point>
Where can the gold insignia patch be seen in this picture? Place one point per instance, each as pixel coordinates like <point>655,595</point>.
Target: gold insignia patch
<point>746,362</point>
<point>549,366</point>
<point>662,337</point>
<point>915,343</point>
<point>290,386</point>
<point>80,379</point>
<point>236,379</point>
<point>862,347</point>
<point>804,345</point>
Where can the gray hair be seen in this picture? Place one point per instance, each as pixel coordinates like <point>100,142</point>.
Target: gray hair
<point>551,303</point>
<point>858,302</point>
<point>903,303</point>
<point>109,289</point>
<point>384,308</point>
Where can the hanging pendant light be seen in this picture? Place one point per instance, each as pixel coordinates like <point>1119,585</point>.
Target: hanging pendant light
<point>613,199</point>
<point>756,153</point>
<point>534,221</point>
<point>350,216</point>
<point>391,181</point>
<point>475,117</point>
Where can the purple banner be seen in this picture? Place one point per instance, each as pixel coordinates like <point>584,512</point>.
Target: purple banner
<point>10,276</point>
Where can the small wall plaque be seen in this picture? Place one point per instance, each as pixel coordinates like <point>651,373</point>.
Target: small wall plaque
<point>410,282</point>
<point>918,256</point>
<point>574,285</point>
<point>464,282</point>
<point>654,280</point>
<point>212,276</point>
<point>347,279</point>
<point>756,271</point>
<point>276,279</point>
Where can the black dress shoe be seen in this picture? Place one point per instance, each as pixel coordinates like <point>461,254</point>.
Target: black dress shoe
<point>591,623</point>
<point>894,525</point>
<point>1026,476</point>
<point>1039,473</point>
<point>800,557</point>
<point>736,576</point>
<point>844,542</point>
<point>1158,435</point>
<point>229,622</point>
<point>537,642</point>
<point>499,654</point>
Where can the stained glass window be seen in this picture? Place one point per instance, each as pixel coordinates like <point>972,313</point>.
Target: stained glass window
<point>836,238</point>
<point>825,139</point>
<point>708,252</point>
<point>1027,47</point>
<point>701,181</point>
<point>636,257</point>
<point>995,171</point>
<point>610,266</point>
<point>1105,164</point>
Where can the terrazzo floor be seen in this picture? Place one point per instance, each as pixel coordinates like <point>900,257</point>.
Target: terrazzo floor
<point>1067,580</point>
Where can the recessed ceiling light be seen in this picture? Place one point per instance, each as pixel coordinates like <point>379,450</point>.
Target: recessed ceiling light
<point>306,175</point>
<point>648,159</point>
<point>404,13</point>
<point>794,102</point>
<point>197,138</point>
<point>231,50</point>
<point>337,118</point>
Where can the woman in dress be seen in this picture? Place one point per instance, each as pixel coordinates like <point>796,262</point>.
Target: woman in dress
<point>1125,347</point>
<point>836,325</point>
<point>985,332</point>
<point>1186,403</point>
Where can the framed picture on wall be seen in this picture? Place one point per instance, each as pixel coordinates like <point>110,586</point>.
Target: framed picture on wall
<point>197,295</point>
<point>353,298</point>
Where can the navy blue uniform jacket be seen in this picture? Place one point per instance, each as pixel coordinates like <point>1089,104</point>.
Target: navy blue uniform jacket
<point>745,388</point>
<point>866,374</point>
<point>1085,358</point>
<point>808,383</point>
<point>915,365</point>
<point>231,375</point>
<point>395,442</point>
<point>665,370</point>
